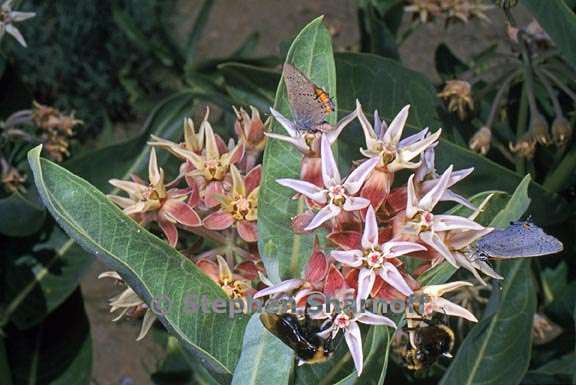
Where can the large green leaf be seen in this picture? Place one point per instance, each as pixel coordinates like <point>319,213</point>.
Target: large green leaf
<point>265,359</point>
<point>384,85</point>
<point>151,267</point>
<point>497,349</point>
<point>556,17</point>
<point>250,84</point>
<point>56,352</point>
<point>20,217</point>
<point>43,274</point>
<point>284,253</point>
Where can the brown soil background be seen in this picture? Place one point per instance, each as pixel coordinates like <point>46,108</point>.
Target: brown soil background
<point>118,358</point>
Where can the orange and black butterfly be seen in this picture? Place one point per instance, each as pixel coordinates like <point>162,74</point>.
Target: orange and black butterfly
<point>309,103</point>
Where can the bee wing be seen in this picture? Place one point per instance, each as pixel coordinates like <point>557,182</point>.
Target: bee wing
<point>520,240</point>
<point>307,109</point>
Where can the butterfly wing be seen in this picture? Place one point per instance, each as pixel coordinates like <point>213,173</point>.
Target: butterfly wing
<point>519,240</point>
<point>307,108</point>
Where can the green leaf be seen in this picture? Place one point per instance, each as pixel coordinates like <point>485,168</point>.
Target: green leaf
<point>250,84</point>
<point>558,371</point>
<point>559,21</point>
<point>20,216</point>
<point>448,65</point>
<point>284,253</point>
<point>42,276</point>
<point>5,373</point>
<point>497,350</point>
<point>265,359</point>
<point>149,265</point>
<point>196,33</point>
<point>384,85</point>
<point>56,352</point>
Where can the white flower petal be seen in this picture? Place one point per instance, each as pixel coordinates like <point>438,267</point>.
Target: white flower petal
<point>325,214</point>
<point>370,234</point>
<point>333,134</point>
<point>366,279</point>
<point>375,319</point>
<point>394,131</point>
<point>369,134</point>
<point>354,342</point>
<point>392,276</point>
<point>355,203</point>
<point>298,142</point>
<point>394,249</point>
<point>357,177</point>
<point>305,188</point>
<point>282,287</point>
<point>330,173</point>
<point>411,199</point>
<point>442,305</point>
<point>351,258</point>
<point>286,123</point>
<point>10,29</point>
<point>437,244</point>
<point>453,222</point>
<point>432,197</point>
<point>413,138</point>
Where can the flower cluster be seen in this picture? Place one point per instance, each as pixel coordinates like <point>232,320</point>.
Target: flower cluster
<point>214,196</point>
<point>453,10</point>
<point>7,19</point>
<point>56,130</point>
<point>374,226</point>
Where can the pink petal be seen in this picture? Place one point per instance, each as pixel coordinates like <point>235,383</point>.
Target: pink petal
<point>311,170</point>
<point>282,287</point>
<point>394,131</point>
<point>170,231</point>
<point>370,235</point>
<point>357,177</point>
<point>354,342</point>
<point>375,319</point>
<point>351,258</point>
<point>325,214</point>
<point>431,198</point>
<point>355,203</point>
<point>366,279</point>
<point>453,222</point>
<point>248,231</point>
<point>346,240</point>
<point>305,188</point>
<point>252,179</point>
<point>437,244</point>
<point>392,276</point>
<point>213,189</point>
<point>181,213</point>
<point>237,153</point>
<point>154,173</point>
<point>377,187</point>
<point>334,281</point>
<point>330,173</point>
<point>317,266</point>
<point>218,220</point>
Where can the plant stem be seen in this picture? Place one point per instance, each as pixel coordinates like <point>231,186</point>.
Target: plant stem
<point>559,84</point>
<point>521,124</point>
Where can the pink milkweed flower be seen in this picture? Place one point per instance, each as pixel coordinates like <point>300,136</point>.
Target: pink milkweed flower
<point>234,285</point>
<point>460,243</point>
<point>154,202</point>
<point>193,141</point>
<point>346,319</point>
<point>314,280</point>
<point>435,303</point>
<point>383,143</point>
<point>250,132</point>
<point>335,196</point>
<point>374,259</point>
<point>418,223</point>
<point>239,206</point>
<point>209,171</point>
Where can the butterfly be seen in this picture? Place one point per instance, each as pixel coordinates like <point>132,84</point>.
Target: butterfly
<point>520,239</point>
<point>309,103</point>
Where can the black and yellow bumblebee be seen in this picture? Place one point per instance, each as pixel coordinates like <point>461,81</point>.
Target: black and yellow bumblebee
<point>302,335</point>
<point>428,341</point>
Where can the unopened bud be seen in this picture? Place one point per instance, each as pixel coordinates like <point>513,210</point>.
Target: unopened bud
<point>561,131</point>
<point>525,147</point>
<point>540,129</point>
<point>480,142</point>
<point>506,4</point>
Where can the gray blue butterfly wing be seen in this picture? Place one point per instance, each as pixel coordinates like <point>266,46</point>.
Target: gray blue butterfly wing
<point>307,108</point>
<point>519,240</point>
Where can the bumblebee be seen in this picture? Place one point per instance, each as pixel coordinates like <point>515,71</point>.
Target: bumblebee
<point>427,343</point>
<point>301,335</point>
